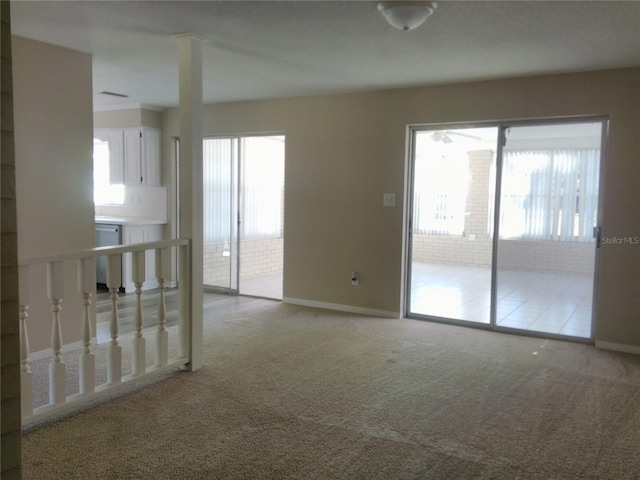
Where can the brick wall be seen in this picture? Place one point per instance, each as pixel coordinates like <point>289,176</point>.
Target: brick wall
<point>9,327</point>
<point>258,258</point>
<point>216,265</point>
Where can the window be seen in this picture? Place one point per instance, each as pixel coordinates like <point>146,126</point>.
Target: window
<point>104,193</point>
<point>440,193</point>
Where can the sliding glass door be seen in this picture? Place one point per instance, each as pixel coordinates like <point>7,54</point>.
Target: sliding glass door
<point>451,236</point>
<point>243,194</point>
<point>548,213</point>
<point>531,265</point>
<point>220,209</point>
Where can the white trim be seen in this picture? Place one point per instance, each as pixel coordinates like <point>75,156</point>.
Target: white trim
<point>341,308</point>
<point>618,347</point>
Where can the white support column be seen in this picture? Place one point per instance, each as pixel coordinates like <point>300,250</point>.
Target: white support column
<point>86,283</point>
<point>57,367</point>
<point>190,60</point>
<point>163,269</point>
<point>114,351</point>
<point>26,376</point>
<point>139,276</point>
<point>183,324</point>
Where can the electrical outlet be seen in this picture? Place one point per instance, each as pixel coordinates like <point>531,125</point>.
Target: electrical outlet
<point>355,278</point>
<point>389,200</point>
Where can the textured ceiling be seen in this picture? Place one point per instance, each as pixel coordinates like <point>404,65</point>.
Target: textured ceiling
<point>269,49</point>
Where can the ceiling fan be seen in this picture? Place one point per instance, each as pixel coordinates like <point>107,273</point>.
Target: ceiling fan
<point>444,136</point>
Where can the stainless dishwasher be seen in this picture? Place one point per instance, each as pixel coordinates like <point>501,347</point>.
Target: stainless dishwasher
<point>106,236</point>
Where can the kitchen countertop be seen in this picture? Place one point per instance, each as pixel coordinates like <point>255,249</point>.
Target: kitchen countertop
<point>128,221</point>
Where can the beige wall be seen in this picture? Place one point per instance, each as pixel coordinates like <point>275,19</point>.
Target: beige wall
<point>128,118</point>
<point>344,151</point>
<point>54,170</point>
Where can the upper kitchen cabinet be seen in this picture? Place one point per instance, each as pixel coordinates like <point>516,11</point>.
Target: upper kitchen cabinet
<point>142,156</point>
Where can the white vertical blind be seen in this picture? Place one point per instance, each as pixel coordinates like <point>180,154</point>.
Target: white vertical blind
<point>550,194</point>
<point>218,183</point>
<point>261,187</point>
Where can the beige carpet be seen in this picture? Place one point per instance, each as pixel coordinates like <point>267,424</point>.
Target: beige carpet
<point>295,393</point>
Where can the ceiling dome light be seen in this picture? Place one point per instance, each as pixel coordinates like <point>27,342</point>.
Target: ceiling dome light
<point>406,15</point>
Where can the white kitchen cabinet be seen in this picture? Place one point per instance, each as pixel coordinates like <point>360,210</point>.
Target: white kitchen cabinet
<point>151,154</point>
<point>142,156</point>
<point>134,155</point>
<point>140,234</point>
<point>115,139</point>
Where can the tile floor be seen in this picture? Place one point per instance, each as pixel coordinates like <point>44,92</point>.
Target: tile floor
<point>268,286</point>
<point>542,302</point>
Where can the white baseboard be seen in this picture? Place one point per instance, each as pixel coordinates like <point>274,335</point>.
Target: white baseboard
<point>618,347</point>
<point>341,308</point>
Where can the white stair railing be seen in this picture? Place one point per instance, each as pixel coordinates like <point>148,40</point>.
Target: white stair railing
<point>86,284</point>
<point>58,380</point>
<point>114,280</point>
<point>139,275</point>
<point>57,367</point>
<point>163,268</point>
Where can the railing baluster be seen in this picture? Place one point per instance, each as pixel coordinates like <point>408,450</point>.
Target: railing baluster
<point>114,352</point>
<point>139,276</point>
<point>57,367</point>
<point>86,282</point>
<point>163,259</point>
<point>26,376</point>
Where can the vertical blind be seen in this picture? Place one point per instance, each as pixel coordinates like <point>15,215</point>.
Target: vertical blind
<point>219,164</point>
<point>258,190</point>
<point>550,194</point>
<point>262,187</point>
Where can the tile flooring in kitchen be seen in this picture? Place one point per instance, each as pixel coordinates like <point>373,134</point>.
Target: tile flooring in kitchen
<point>534,301</point>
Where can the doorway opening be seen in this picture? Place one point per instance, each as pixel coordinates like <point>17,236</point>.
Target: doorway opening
<point>502,225</point>
<point>243,205</point>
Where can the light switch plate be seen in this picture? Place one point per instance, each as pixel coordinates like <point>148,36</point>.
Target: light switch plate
<point>389,200</point>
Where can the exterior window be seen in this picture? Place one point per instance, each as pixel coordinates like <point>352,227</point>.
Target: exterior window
<point>440,194</point>
<point>104,193</point>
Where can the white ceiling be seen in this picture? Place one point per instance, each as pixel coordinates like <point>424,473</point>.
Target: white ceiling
<point>267,49</point>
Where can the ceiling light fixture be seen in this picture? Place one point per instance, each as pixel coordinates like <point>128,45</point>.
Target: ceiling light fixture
<point>406,15</point>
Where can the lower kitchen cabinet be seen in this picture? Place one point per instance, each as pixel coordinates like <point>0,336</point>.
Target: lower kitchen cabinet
<point>140,234</point>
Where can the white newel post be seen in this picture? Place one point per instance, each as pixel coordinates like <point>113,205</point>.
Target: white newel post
<point>57,367</point>
<point>26,377</point>
<point>184,282</point>
<point>191,200</point>
<point>86,282</point>
<point>114,352</point>
<point>139,276</point>
<point>163,265</point>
